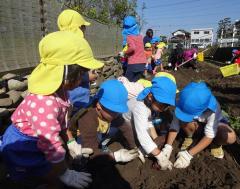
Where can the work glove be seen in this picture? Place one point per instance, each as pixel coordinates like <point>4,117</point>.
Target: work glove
<point>141,156</point>
<point>121,54</point>
<point>183,159</point>
<point>169,64</point>
<point>76,179</point>
<point>167,150</point>
<point>76,150</point>
<point>124,155</point>
<point>164,162</point>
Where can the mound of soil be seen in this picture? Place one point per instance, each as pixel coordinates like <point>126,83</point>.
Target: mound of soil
<point>205,172</point>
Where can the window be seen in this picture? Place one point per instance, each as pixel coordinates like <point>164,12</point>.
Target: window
<point>197,40</point>
<point>207,40</point>
<point>201,40</point>
<point>206,32</point>
<point>196,32</point>
<point>193,40</point>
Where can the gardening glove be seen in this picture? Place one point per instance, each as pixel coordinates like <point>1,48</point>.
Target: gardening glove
<point>167,150</point>
<point>76,179</point>
<point>124,155</point>
<point>121,54</point>
<point>183,159</point>
<point>164,162</point>
<point>76,150</point>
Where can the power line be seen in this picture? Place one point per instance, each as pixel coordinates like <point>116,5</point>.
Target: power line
<point>187,16</point>
<point>193,8</point>
<point>172,4</point>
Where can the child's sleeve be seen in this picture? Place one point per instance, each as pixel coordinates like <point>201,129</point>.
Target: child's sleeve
<point>47,126</point>
<point>210,129</point>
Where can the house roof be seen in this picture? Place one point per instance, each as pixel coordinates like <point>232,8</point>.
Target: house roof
<point>183,31</point>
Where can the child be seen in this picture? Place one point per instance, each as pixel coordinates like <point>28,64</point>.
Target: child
<point>148,54</point>
<point>32,145</point>
<point>197,105</point>
<point>135,51</point>
<point>156,98</point>
<point>106,115</point>
<point>70,20</point>
<point>157,57</point>
<point>236,57</point>
<point>191,56</point>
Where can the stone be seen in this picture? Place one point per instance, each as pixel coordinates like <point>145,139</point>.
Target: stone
<point>5,102</point>
<point>3,90</point>
<point>15,95</point>
<point>17,85</point>
<point>24,93</point>
<point>8,76</point>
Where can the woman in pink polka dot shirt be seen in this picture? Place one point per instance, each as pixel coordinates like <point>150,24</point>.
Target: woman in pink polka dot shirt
<point>32,146</point>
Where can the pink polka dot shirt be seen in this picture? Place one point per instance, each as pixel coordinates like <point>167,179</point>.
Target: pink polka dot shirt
<point>43,117</point>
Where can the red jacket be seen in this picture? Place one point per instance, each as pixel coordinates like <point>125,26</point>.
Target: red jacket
<point>135,50</point>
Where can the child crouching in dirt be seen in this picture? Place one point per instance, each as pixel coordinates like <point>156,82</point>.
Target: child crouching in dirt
<point>198,112</point>
<point>32,146</point>
<point>111,102</point>
<point>154,99</point>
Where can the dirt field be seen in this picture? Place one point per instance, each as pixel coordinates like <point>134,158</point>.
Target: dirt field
<point>205,172</point>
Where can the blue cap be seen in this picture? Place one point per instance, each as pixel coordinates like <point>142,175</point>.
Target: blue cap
<point>194,99</point>
<point>163,90</point>
<point>155,40</point>
<point>113,96</point>
<point>129,21</point>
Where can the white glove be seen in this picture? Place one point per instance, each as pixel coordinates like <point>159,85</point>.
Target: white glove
<point>183,159</point>
<point>121,54</point>
<point>195,56</point>
<point>76,179</point>
<point>124,155</point>
<point>169,64</point>
<point>164,162</point>
<point>77,151</point>
<point>167,150</point>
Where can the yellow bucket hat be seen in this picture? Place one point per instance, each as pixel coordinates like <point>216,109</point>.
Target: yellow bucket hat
<point>148,45</point>
<point>161,45</point>
<point>70,20</point>
<point>56,50</point>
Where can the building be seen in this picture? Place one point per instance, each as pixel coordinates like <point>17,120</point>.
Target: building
<point>202,37</point>
<point>181,36</point>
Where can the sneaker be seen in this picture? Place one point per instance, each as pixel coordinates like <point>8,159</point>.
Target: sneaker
<point>217,152</point>
<point>186,143</point>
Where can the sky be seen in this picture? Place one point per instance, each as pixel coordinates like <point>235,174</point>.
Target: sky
<point>167,16</point>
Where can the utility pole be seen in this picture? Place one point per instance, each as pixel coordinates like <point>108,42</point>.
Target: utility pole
<point>142,22</point>
<point>234,33</point>
<point>221,38</point>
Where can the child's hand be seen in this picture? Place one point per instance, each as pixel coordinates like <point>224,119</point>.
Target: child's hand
<point>76,179</point>
<point>76,150</point>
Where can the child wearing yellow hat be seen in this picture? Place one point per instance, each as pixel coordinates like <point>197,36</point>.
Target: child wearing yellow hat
<point>32,145</point>
<point>148,54</point>
<point>158,56</point>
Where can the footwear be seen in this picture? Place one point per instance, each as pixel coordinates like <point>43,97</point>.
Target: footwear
<point>186,143</point>
<point>217,152</point>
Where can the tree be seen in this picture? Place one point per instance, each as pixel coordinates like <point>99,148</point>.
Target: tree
<point>106,11</point>
<point>224,26</point>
